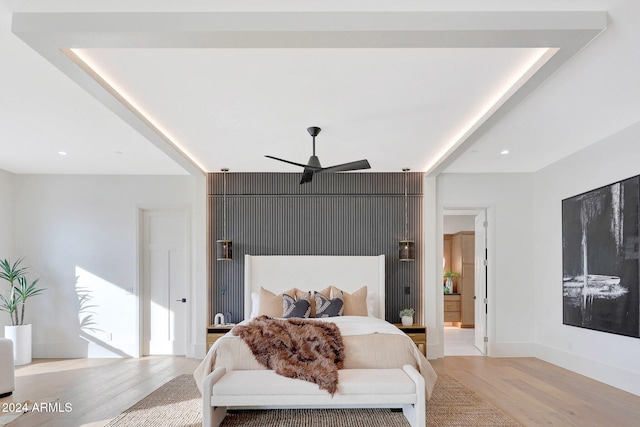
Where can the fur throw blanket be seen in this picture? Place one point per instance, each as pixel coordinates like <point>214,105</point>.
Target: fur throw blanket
<point>296,348</point>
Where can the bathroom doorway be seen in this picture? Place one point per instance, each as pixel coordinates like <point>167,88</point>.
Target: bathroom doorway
<point>464,280</point>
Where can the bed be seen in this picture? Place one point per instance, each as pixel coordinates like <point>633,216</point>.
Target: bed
<point>377,354</point>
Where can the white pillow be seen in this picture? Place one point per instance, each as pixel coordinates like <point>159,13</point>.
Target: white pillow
<point>255,304</point>
<point>371,301</point>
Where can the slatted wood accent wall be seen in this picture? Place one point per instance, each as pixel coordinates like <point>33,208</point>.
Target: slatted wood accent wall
<point>336,214</point>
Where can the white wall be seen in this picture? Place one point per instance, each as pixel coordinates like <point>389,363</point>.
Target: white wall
<point>509,200</point>
<point>6,216</point>
<point>610,358</point>
<point>6,232</point>
<point>456,223</point>
<point>80,236</point>
<point>199,307</point>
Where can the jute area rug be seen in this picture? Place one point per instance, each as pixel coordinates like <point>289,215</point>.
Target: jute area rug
<point>178,403</point>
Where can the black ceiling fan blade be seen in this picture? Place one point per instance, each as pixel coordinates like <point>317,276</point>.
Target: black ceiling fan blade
<point>294,163</point>
<point>287,161</point>
<point>351,166</point>
<point>307,176</point>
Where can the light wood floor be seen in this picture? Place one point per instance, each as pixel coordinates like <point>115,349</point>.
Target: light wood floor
<point>538,393</point>
<point>97,389</point>
<point>531,391</point>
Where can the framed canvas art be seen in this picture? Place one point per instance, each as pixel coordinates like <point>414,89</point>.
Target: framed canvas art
<point>600,259</point>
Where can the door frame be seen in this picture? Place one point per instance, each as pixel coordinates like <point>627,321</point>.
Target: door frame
<point>480,334</point>
<point>490,218</point>
<point>139,285</point>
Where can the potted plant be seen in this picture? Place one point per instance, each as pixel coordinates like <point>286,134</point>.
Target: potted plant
<point>406,316</point>
<point>449,276</point>
<point>20,290</point>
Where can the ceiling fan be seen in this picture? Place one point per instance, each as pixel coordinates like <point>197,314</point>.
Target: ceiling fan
<point>313,166</point>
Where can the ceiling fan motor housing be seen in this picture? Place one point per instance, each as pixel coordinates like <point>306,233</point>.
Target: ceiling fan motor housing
<point>314,161</point>
<point>313,131</point>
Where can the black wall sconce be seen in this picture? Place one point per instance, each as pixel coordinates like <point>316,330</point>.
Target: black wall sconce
<point>224,246</point>
<point>406,247</point>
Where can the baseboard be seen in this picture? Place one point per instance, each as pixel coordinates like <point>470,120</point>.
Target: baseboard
<point>434,351</point>
<point>609,374</point>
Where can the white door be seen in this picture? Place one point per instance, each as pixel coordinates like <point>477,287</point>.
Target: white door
<point>481,282</point>
<point>164,289</point>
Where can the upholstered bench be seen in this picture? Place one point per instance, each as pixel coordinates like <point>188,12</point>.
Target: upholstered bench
<point>7,370</point>
<point>357,388</point>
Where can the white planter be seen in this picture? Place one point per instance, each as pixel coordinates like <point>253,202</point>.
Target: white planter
<point>407,320</point>
<point>449,285</point>
<point>21,337</point>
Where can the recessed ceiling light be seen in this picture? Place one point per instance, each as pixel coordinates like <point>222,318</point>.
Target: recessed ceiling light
<point>62,153</point>
<point>504,152</point>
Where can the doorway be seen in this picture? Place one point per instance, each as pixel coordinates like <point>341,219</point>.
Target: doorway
<point>164,290</point>
<point>464,263</point>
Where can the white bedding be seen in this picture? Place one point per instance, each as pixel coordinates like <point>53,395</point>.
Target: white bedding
<point>359,325</point>
<point>373,341</point>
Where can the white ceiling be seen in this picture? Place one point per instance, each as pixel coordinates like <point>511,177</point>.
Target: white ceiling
<point>230,107</point>
<point>197,92</point>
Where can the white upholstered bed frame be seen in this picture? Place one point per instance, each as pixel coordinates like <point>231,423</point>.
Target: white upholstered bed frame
<point>314,273</point>
<point>381,388</point>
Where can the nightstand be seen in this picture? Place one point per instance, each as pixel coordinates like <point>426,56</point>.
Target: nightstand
<point>417,333</point>
<point>216,332</point>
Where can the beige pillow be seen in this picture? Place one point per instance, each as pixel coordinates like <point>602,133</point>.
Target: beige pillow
<point>271,304</point>
<point>326,292</point>
<point>355,304</point>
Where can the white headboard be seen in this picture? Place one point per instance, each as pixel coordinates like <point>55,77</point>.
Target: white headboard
<point>314,273</point>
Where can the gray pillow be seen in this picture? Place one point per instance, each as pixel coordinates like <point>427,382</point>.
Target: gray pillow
<point>296,308</point>
<point>329,307</point>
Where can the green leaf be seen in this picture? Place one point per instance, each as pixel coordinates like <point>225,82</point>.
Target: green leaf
<point>20,292</point>
<point>25,291</point>
<point>10,306</point>
<point>450,274</point>
<point>11,272</point>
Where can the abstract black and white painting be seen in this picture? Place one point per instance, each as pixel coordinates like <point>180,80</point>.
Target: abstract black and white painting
<point>600,259</point>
